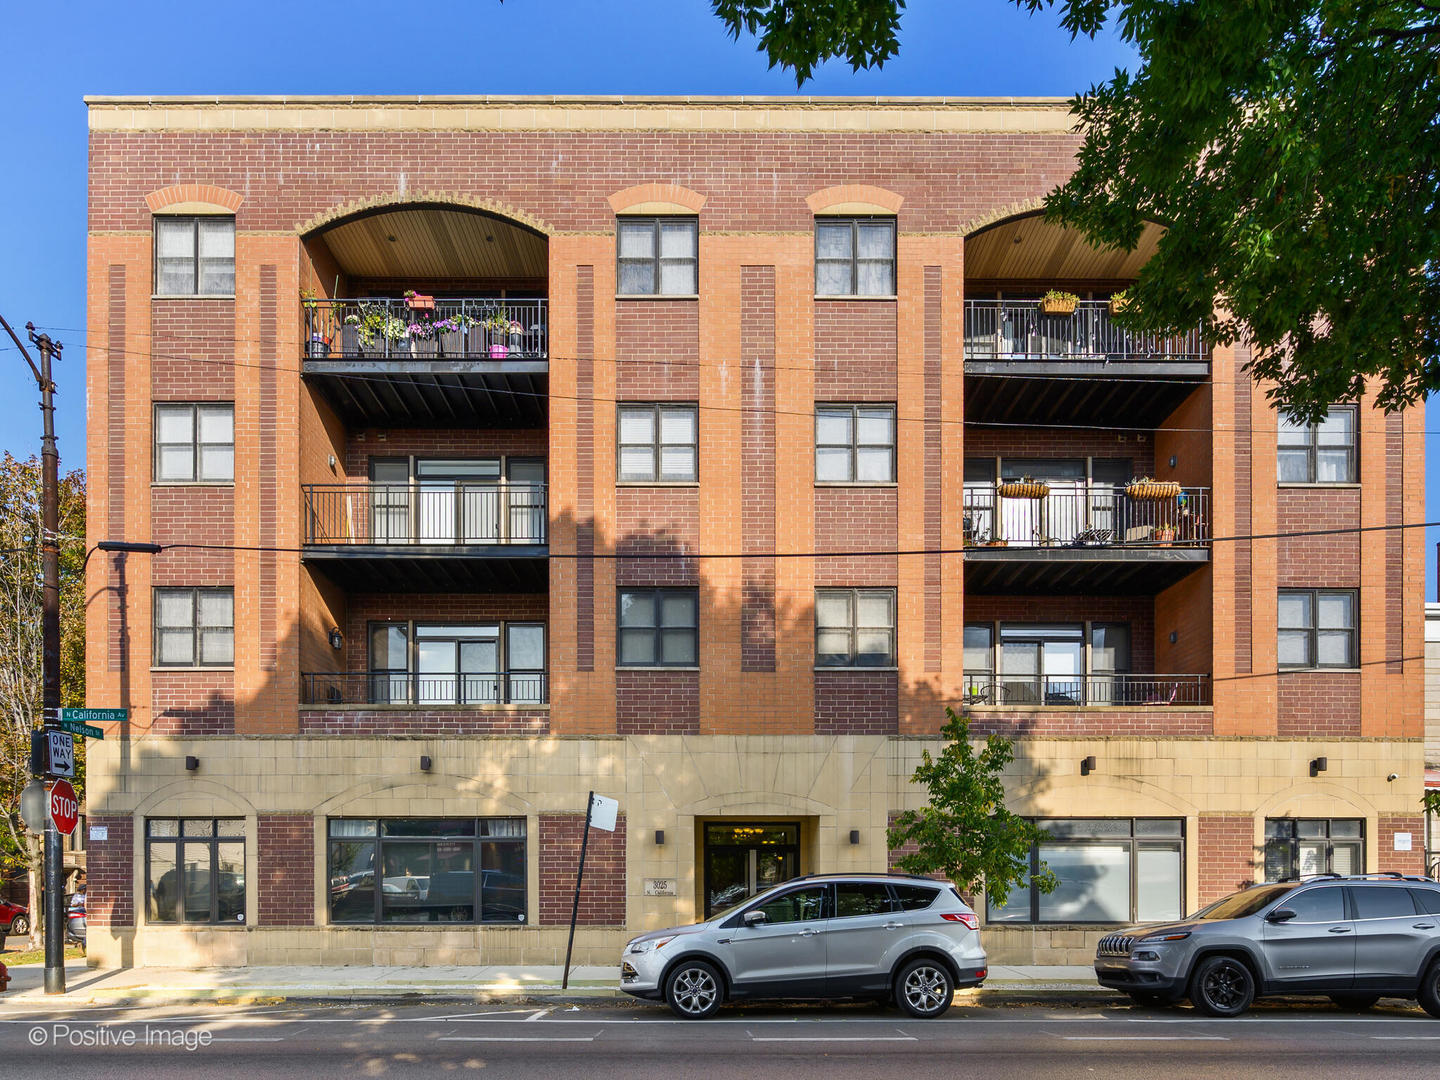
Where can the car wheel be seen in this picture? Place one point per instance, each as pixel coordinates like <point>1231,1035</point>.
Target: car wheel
<point>1429,995</point>
<point>21,926</point>
<point>1222,986</point>
<point>693,990</point>
<point>1149,999</point>
<point>924,989</point>
<point>1354,1002</point>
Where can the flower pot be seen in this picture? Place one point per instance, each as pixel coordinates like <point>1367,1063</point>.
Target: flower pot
<point>420,303</point>
<point>318,347</point>
<point>1023,489</point>
<point>350,341</point>
<point>1059,305</point>
<point>996,543</point>
<point>452,343</point>
<point>1162,536</point>
<point>1152,490</point>
<point>498,351</point>
<point>1118,304</point>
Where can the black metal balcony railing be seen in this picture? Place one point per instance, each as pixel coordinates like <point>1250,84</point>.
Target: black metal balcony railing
<point>409,689</point>
<point>1102,689</point>
<point>466,328</point>
<point>1020,330</point>
<point>1076,514</point>
<point>463,512</point>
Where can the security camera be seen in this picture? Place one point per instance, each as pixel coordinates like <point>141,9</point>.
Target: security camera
<point>1393,776</point>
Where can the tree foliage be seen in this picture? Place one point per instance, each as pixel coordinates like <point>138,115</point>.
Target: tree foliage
<point>1289,147</point>
<point>966,832</point>
<point>20,634</point>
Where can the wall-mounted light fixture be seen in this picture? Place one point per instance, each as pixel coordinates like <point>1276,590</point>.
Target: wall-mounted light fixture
<point>1174,636</point>
<point>191,763</point>
<point>337,638</point>
<point>1319,765</point>
<point>332,462</point>
<point>425,763</point>
<point>659,837</point>
<point>1174,461</point>
<point>1087,765</point>
<point>854,836</point>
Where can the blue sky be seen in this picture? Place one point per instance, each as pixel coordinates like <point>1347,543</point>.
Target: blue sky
<point>61,51</point>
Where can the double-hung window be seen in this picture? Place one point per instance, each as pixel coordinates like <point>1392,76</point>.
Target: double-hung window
<point>855,628</point>
<point>195,870</point>
<point>1296,847</point>
<point>658,443</point>
<point>195,256</point>
<point>854,444</point>
<point>659,628</point>
<point>855,256</point>
<point>657,256</point>
<point>1322,453</point>
<point>1317,628</point>
<point>194,627</point>
<point>195,443</point>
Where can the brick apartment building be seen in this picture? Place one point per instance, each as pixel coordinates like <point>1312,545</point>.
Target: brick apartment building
<point>734,443</point>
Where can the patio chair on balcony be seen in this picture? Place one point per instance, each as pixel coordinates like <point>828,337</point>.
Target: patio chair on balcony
<point>1092,538</point>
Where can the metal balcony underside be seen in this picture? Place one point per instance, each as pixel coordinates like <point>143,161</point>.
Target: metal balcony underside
<point>507,568</point>
<point>375,392</point>
<point>1038,571</point>
<point>1041,392</point>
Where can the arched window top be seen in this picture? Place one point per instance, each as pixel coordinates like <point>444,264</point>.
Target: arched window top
<point>853,200</point>
<point>657,199</point>
<point>193,199</point>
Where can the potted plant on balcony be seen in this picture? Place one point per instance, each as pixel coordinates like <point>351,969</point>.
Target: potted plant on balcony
<point>986,538</point>
<point>1119,301</point>
<point>1148,489</point>
<point>1163,535</point>
<point>1059,302</point>
<point>419,301</point>
<point>497,333</point>
<point>420,333</point>
<point>1027,487</point>
<point>371,329</point>
<point>450,334</point>
<point>318,343</point>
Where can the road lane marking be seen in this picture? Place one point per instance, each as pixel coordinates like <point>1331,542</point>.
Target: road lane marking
<point>518,1038</point>
<point>1144,1038</point>
<point>833,1038</point>
<point>257,1039</point>
<point>537,1015</point>
<point>1406,1038</point>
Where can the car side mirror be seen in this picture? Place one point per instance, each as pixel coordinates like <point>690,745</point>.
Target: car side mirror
<point>1280,914</point>
<point>755,918</point>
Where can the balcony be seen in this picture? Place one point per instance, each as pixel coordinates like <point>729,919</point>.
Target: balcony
<point>1025,365</point>
<point>462,362</point>
<point>1083,538</point>
<point>1099,690</point>
<point>409,690</point>
<point>429,536</point>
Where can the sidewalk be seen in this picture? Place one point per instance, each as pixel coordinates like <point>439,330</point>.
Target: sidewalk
<point>161,986</point>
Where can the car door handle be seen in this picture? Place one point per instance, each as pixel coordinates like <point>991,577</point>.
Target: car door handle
<point>1424,926</point>
<point>1340,929</point>
<point>808,932</point>
<point>892,926</point>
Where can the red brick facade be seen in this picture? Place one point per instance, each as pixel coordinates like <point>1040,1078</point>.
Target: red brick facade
<point>602,894</point>
<point>285,861</point>
<point>110,872</point>
<point>855,702</point>
<point>1228,858</point>
<point>649,702</point>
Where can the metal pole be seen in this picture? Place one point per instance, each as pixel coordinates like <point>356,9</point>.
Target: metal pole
<point>579,877</point>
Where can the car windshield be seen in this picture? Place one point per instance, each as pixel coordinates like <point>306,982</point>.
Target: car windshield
<point>1246,902</point>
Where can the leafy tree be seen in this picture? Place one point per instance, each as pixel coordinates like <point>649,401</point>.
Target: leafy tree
<point>966,832</point>
<point>1291,149</point>
<point>20,642</point>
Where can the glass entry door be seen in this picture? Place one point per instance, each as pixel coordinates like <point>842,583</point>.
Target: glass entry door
<point>742,859</point>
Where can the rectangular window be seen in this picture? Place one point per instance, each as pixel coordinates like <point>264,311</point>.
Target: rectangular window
<point>855,627</point>
<point>1317,628</point>
<point>659,628</point>
<point>1295,847</point>
<point>1111,870</point>
<point>1322,453</point>
<point>657,256</point>
<point>195,256</point>
<point>854,444</point>
<point>430,870</point>
<point>454,664</point>
<point>658,443</point>
<point>194,627</point>
<point>979,664</point>
<point>855,257</point>
<point>195,870</point>
<point>195,443</point>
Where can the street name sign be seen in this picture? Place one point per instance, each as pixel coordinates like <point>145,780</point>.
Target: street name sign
<point>64,807</point>
<point>95,716</point>
<point>74,727</point>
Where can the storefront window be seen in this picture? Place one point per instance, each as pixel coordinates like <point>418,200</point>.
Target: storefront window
<point>431,870</point>
<point>195,870</point>
<point>1296,847</point>
<point>1111,870</point>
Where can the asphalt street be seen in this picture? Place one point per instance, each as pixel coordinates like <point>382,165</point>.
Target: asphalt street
<point>593,1042</point>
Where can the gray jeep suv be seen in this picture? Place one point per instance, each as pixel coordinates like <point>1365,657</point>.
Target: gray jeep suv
<point>878,936</point>
<point>1355,939</point>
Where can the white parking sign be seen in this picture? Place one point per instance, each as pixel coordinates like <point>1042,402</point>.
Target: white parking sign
<point>62,753</point>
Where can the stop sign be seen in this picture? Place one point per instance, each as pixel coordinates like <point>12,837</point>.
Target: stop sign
<point>64,807</point>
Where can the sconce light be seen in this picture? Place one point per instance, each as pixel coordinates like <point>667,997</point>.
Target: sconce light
<point>659,837</point>
<point>1087,765</point>
<point>854,836</point>
<point>1173,461</point>
<point>191,763</point>
<point>425,763</point>
<point>1319,765</point>
<point>1174,636</point>
<point>332,462</point>
<point>337,639</point>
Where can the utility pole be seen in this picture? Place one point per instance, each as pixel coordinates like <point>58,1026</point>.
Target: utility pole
<point>50,637</point>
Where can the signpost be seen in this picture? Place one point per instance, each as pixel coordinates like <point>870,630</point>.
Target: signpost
<point>64,807</point>
<point>601,812</point>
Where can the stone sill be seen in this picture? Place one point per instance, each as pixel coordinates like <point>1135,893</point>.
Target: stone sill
<point>857,484</point>
<point>854,670</point>
<point>227,485</point>
<point>657,667</point>
<point>657,296</point>
<point>980,707</point>
<point>437,707</point>
<point>882,298</point>
<point>192,296</point>
<point>657,483</point>
<point>192,667</point>
<point>1316,485</point>
<point>1318,671</point>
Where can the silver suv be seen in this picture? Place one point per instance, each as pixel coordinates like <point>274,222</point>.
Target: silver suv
<point>877,936</point>
<point>1355,939</point>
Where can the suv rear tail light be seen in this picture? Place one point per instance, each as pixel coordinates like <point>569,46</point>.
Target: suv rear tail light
<point>969,918</point>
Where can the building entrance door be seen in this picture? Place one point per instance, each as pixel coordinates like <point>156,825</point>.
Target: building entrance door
<point>743,858</point>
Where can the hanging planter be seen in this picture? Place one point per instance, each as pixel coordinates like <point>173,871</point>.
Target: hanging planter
<point>1024,488</point>
<point>419,301</point>
<point>1056,302</point>
<point>1119,302</point>
<point>1147,490</point>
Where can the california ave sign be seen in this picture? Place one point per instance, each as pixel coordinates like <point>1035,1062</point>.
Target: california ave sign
<point>64,806</point>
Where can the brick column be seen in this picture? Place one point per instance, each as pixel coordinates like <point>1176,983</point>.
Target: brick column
<point>285,861</point>
<point>1225,852</point>
<point>602,897</point>
<point>109,872</point>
